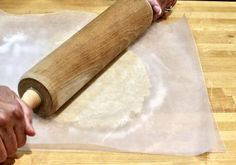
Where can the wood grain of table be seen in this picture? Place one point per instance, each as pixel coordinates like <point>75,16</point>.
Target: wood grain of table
<point>214,28</point>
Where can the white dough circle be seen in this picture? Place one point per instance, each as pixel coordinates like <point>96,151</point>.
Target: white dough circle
<point>114,100</point>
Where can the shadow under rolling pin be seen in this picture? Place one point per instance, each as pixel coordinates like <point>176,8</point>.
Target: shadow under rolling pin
<point>59,76</point>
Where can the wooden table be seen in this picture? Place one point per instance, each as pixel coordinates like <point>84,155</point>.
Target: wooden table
<point>214,28</point>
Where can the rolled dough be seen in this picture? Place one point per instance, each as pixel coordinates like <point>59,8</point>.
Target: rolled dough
<point>114,100</point>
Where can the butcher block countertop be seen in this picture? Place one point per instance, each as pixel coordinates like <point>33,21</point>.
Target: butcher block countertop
<point>214,28</point>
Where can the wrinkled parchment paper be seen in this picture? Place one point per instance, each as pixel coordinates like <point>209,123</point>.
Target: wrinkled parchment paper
<point>176,118</point>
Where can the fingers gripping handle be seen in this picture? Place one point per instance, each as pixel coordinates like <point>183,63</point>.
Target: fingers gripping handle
<point>31,98</point>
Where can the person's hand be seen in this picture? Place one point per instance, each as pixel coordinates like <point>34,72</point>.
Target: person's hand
<point>15,123</point>
<point>159,7</point>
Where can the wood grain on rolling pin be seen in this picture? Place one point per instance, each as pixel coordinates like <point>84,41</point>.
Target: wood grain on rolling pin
<point>67,69</point>
<point>221,89</point>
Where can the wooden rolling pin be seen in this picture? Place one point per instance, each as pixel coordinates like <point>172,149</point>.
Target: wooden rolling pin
<point>60,75</point>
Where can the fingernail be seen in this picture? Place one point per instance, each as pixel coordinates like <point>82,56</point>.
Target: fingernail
<point>157,9</point>
<point>32,130</point>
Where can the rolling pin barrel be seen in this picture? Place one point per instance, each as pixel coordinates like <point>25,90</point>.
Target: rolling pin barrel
<point>60,75</point>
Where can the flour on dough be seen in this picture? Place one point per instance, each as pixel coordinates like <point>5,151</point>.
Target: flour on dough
<point>114,100</point>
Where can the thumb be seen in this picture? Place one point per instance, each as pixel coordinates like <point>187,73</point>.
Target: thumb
<point>28,113</point>
<point>157,10</point>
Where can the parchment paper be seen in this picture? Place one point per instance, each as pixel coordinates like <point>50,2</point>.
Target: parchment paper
<point>176,117</point>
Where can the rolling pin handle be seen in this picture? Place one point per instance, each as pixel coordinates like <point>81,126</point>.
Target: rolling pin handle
<point>31,98</point>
